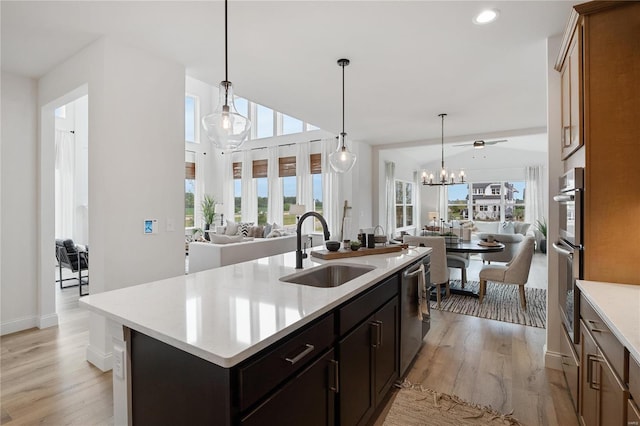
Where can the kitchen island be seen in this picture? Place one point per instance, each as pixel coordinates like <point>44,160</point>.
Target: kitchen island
<point>226,343</point>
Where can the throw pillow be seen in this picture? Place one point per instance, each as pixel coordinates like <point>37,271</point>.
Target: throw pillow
<point>232,228</point>
<point>225,239</point>
<point>243,228</point>
<point>506,228</point>
<point>522,227</point>
<point>256,231</point>
<point>274,233</point>
<point>267,230</point>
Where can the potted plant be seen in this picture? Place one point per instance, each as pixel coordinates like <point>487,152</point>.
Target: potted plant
<point>208,206</point>
<point>541,226</point>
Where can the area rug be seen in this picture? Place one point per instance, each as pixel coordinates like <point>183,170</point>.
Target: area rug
<point>415,405</point>
<point>501,303</point>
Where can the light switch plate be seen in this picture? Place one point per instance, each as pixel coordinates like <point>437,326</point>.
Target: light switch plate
<point>118,362</point>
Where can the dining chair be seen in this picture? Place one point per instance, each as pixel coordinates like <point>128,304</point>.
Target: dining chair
<point>439,272</point>
<point>515,272</point>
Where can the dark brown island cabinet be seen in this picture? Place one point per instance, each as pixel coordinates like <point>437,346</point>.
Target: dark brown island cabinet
<point>334,370</point>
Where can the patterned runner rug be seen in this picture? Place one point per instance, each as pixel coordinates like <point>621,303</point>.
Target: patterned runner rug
<point>501,303</point>
<point>417,406</point>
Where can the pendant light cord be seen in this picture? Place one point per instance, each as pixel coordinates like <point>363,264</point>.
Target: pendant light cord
<point>343,103</point>
<point>226,58</point>
<point>442,141</point>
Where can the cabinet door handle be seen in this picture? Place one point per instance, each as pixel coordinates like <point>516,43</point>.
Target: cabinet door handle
<point>308,349</point>
<point>376,330</point>
<point>590,376</point>
<point>336,376</point>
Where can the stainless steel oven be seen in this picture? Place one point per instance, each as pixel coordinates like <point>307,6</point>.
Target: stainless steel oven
<point>569,270</point>
<point>569,200</point>
<point>569,249</point>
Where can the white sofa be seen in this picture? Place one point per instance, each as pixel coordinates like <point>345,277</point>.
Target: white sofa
<point>204,256</point>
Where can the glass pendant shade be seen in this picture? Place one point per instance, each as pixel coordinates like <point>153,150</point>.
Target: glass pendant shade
<point>342,160</point>
<point>225,127</point>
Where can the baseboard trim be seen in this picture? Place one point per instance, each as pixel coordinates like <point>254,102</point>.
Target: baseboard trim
<point>552,360</point>
<point>19,324</point>
<point>50,320</point>
<point>103,361</point>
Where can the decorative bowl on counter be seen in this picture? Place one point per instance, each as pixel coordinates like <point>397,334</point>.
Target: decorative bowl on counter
<point>332,245</point>
<point>355,245</point>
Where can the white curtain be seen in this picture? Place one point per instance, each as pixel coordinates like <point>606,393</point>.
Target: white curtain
<point>443,199</point>
<point>331,191</point>
<point>249,190</point>
<point>303,179</point>
<point>228,187</point>
<point>390,198</point>
<point>533,195</point>
<point>65,184</point>
<point>417,207</point>
<point>198,159</point>
<point>276,201</point>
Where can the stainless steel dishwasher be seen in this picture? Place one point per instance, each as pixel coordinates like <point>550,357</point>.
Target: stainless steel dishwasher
<point>412,327</point>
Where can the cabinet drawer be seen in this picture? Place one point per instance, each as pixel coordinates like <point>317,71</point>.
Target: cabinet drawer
<point>609,344</point>
<point>570,367</point>
<point>634,380</point>
<point>284,359</point>
<point>633,414</point>
<point>355,311</point>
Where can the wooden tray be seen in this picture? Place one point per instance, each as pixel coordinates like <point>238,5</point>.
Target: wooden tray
<point>344,253</point>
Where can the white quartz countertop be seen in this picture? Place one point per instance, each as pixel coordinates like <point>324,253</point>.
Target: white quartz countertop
<point>619,307</point>
<point>225,315</point>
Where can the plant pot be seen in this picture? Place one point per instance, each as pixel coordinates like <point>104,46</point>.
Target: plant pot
<point>543,246</point>
<point>206,234</point>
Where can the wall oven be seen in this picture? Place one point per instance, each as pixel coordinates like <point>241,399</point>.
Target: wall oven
<point>569,249</point>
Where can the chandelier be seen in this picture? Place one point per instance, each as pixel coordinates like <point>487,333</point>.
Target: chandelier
<point>225,126</point>
<point>444,177</point>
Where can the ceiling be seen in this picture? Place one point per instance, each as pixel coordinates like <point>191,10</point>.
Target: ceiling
<point>409,60</point>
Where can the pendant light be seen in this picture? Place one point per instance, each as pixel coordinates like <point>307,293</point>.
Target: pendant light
<point>225,127</point>
<point>342,160</point>
<point>444,177</point>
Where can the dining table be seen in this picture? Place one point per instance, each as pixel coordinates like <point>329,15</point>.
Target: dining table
<point>473,246</point>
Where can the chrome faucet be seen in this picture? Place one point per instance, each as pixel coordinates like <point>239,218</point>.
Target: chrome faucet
<point>325,229</point>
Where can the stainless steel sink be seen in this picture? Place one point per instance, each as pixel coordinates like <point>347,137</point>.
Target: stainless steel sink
<point>329,275</point>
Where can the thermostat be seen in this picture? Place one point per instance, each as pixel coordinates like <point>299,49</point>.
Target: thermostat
<point>151,226</point>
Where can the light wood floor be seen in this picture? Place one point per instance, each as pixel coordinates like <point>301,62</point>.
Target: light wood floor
<point>46,379</point>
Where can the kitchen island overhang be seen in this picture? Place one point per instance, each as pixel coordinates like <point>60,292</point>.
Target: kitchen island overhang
<point>227,315</point>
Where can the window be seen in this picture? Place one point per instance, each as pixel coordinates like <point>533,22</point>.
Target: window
<point>404,204</point>
<point>264,122</point>
<point>262,184</point>
<point>61,112</point>
<point>242,105</point>
<point>189,193</point>
<point>291,125</point>
<point>237,191</point>
<point>316,182</point>
<point>287,171</point>
<point>493,201</point>
<point>514,201</point>
<point>457,203</point>
<point>190,118</point>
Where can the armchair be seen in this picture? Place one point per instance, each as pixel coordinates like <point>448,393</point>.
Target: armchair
<point>71,257</point>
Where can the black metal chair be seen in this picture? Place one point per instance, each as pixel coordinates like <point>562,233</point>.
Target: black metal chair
<point>70,257</point>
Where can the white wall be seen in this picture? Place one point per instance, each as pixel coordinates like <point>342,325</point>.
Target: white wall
<point>19,227</point>
<point>136,167</point>
<point>404,169</point>
<point>555,169</point>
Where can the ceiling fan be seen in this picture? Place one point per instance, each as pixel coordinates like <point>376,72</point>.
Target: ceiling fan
<point>480,144</point>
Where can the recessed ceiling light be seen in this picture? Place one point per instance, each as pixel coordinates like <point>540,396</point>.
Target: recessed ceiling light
<point>486,16</point>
